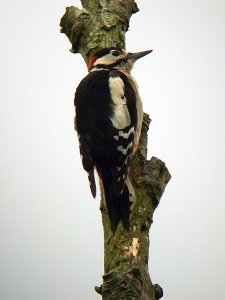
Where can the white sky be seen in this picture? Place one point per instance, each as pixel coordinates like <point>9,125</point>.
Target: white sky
<point>51,241</point>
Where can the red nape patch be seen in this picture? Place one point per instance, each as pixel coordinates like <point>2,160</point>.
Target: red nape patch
<point>91,62</point>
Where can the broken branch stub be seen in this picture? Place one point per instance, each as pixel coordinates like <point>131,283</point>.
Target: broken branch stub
<point>98,25</point>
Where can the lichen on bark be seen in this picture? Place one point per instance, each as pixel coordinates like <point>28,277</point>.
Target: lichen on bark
<point>100,24</point>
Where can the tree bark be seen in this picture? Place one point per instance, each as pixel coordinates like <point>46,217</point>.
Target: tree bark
<point>100,24</point>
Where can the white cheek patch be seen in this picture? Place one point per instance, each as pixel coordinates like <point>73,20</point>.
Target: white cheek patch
<point>121,116</point>
<point>105,60</point>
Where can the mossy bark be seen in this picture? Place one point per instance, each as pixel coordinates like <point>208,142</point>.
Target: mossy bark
<point>100,24</point>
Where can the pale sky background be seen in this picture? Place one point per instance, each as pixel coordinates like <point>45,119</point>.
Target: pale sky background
<point>51,240</point>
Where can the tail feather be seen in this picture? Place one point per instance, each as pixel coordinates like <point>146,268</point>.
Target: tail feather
<point>112,205</point>
<point>118,207</point>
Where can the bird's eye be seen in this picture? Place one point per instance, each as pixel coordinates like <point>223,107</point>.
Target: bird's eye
<point>116,53</point>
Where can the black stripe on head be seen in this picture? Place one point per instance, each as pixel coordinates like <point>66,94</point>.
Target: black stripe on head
<point>106,51</point>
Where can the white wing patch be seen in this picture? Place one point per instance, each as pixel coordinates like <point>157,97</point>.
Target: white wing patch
<point>125,135</point>
<point>125,150</point>
<point>121,116</point>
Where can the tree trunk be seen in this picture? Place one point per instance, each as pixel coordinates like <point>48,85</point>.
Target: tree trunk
<point>101,24</point>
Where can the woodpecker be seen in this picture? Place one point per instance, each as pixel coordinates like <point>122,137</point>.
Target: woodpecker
<point>108,120</point>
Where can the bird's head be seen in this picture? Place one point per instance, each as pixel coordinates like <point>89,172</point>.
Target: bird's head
<point>115,58</point>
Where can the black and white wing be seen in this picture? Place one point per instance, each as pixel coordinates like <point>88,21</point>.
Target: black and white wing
<point>124,121</point>
<point>106,119</point>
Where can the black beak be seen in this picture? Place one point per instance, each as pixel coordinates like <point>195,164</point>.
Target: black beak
<point>135,56</point>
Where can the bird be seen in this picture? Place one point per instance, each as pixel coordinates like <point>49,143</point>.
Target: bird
<point>108,121</point>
